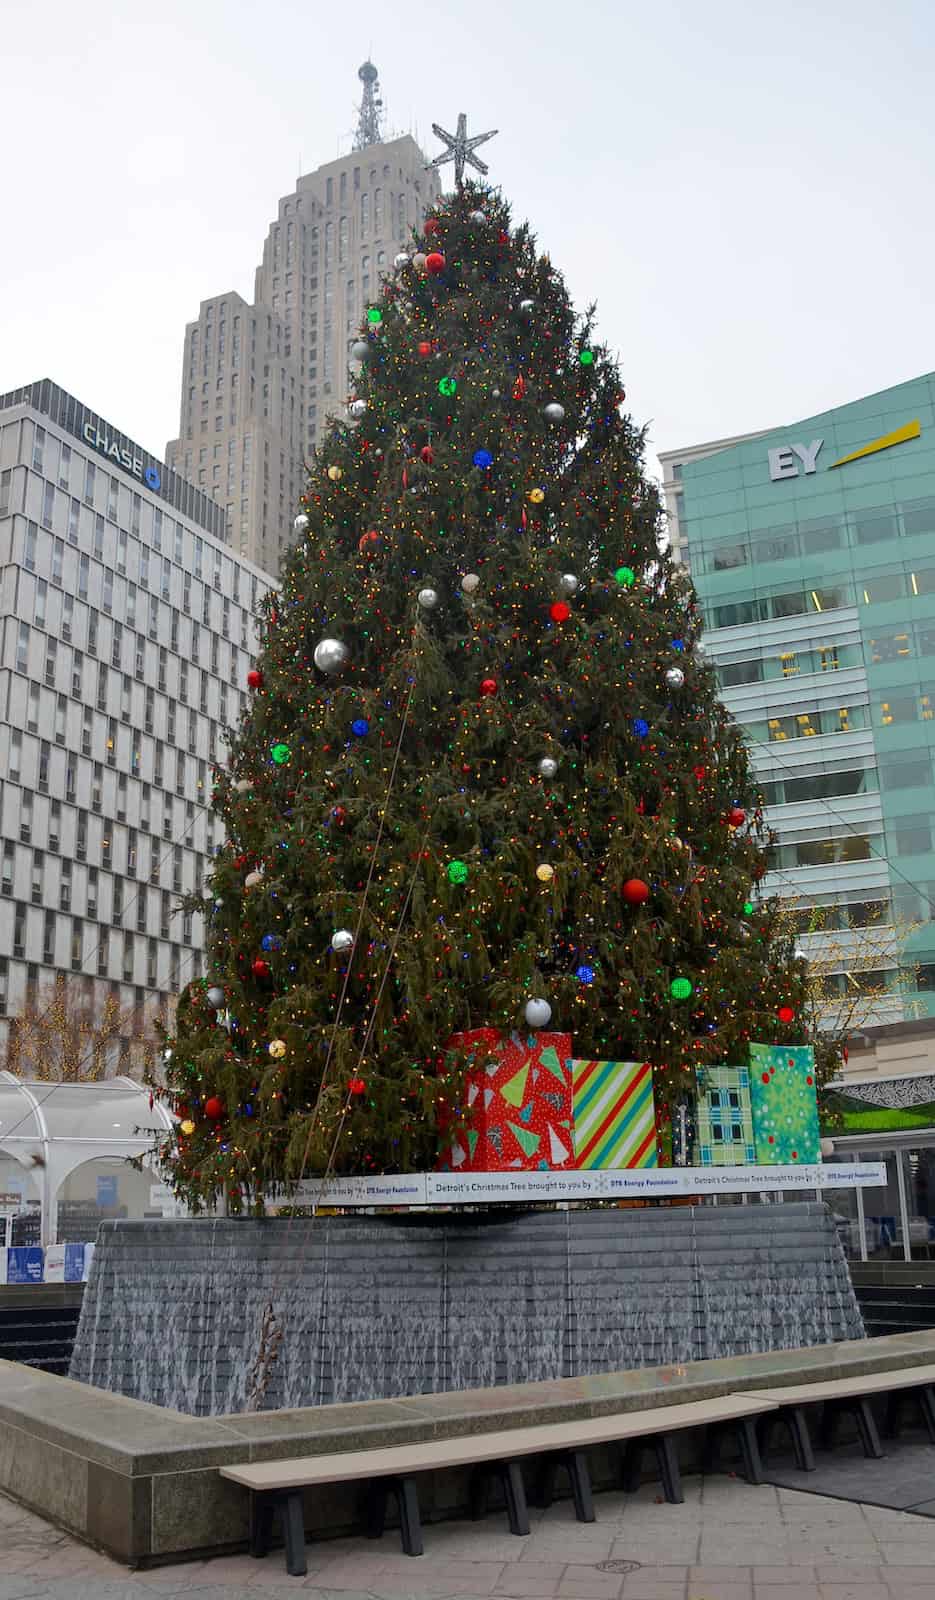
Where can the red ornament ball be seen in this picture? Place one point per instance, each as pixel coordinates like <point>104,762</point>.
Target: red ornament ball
<point>214,1107</point>
<point>427,454</point>
<point>736,816</point>
<point>260,968</point>
<point>340,815</point>
<point>434,263</point>
<point>488,686</point>
<point>785,1014</point>
<point>356,1085</point>
<point>367,541</point>
<point>560,611</point>
<point>432,225</point>
<point>255,679</point>
<point>635,892</point>
<point>424,347</point>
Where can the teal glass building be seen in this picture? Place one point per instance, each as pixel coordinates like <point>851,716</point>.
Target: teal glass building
<point>812,548</point>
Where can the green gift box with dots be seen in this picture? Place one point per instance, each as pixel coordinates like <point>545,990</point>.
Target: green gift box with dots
<point>785,1104</point>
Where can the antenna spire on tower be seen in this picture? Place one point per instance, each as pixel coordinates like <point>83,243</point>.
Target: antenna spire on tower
<point>370,110</point>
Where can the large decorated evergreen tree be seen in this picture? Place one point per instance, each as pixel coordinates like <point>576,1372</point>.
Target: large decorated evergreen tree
<point>485,776</point>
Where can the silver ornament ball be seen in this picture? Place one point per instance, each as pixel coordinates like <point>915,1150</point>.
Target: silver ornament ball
<point>243,785</point>
<point>400,261</point>
<point>495,394</point>
<point>330,655</point>
<point>553,412</point>
<point>357,409</point>
<point>538,1013</point>
<point>428,599</point>
<point>477,218</point>
<point>418,260</point>
<point>215,997</point>
<point>301,523</point>
<point>568,583</point>
<point>700,649</point>
<point>800,954</point>
<point>675,678</point>
<point>470,582</point>
<point>527,307</point>
<point>360,350</point>
<point>548,767</point>
<point>342,940</point>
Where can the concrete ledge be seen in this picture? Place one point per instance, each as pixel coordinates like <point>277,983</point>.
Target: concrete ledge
<point>141,1482</point>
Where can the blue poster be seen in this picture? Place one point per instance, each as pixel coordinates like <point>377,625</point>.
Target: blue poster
<point>107,1191</point>
<point>74,1263</point>
<point>24,1263</point>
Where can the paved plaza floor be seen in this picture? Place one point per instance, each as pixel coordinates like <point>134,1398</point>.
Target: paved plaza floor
<point>729,1541</point>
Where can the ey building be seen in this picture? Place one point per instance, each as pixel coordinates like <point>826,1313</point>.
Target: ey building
<point>260,379</point>
<point>126,632</point>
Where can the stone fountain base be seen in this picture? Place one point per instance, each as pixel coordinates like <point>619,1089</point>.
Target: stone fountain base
<point>374,1309</point>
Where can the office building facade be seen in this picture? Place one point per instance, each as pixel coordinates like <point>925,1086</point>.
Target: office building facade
<point>260,381</point>
<point>811,548</point>
<point>127,627</point>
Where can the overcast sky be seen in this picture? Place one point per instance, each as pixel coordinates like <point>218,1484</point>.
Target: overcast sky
<point>745,188</point>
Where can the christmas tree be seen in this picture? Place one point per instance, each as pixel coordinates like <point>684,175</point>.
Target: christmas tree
<point>485,778</point>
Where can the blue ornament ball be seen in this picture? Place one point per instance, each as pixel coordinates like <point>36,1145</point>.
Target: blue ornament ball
<point>640,727</point>
<point>360,727</point>
<point>584,974</point>
<point>271,941</point>
<point>483,459</point>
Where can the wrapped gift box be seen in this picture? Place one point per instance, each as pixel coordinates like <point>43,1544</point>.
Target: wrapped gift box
<point>517,1103</point>
<point>613,1114</point>
<point>724,1118</point>
<point>785,1104</point>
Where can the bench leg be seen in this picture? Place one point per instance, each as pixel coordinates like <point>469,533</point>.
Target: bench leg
<point>749,1451</point>
<point>801,1440</point>
<point>577,1464</point>
<point>631,1468</point>
<point>375,1514</point>
<point>293,1518</point>
<point>410,1526</point>
<point>867,1429</point>
<point>764,1433</point>
<point>927,1408</point>
<point>668,1463</point>
<point>514,1490</point>
<point>261,1524</point>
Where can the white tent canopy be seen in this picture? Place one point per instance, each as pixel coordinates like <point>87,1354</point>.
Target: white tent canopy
<point>52,1129</point>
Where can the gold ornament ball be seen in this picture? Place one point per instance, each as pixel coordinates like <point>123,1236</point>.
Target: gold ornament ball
<point>335,474</point>
<point>187,1128</point>
<point>537,496</point>
<point>544,872</point>
<point>277,1049</point>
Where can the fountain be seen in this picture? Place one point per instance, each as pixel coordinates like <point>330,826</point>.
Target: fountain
<point>380,1307</point>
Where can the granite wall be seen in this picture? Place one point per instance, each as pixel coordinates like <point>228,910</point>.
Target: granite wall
<point>374,1308</point>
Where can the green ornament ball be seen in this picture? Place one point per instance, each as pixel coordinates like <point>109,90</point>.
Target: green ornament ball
<point>586,357</point>
<point>447,385</point>
<point>626,577</point>
<point>375,316</point>
<point>748,908</point>
<point>280,754</point>
<point>680,988</point>
<point>457,872</point>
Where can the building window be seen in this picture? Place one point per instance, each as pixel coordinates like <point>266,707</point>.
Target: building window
<point>15,758</point>
<point>25,817</point>
<point>103,953</point>
<point>108,600</point>
<point>42,591</point>
<point>51,658</point>
<point>22,647</point>
<point>9,859</point>
<point>84,574</point>
<point>38,447</point>
<point>77,944</point>
<point>48,939</point>
<point>32,716</point>
<point>45,756</point>
<point>19,931</point>
<point>64,887</point>
<point>74,513</point>
<point>92,894</point>
<point>89,477</point>
<point>55,824</point>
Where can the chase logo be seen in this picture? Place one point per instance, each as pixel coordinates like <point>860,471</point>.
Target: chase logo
<point>151,478</point>
<point>786,461</point>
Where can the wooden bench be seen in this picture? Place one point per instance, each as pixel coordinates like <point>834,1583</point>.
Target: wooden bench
<point>393,1469</point>
<point>839,1396</point>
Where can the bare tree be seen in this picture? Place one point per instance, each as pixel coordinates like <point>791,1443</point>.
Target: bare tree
<point>63,1034</point>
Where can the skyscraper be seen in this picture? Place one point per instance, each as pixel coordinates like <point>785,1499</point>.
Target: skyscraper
<point>260,381</point>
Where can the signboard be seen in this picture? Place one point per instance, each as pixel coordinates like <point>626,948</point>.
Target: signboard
<point>24,1263</point>
<point>107,1190</point>
<point>55,1263</point>
<point>627,1183</point>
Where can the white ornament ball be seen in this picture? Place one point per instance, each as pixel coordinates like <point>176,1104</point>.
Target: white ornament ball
<point>568,583</point>
<point>330,655</point>
<point>553,412</point>
<point>548,767</point>
<point>477,218</point>
<point>400,261</point>
<point>470,582</point>
<point>700,649</point>
<point>538,1013</point>
<point>428,599</point>
<point>826,1147</point>
<point>800,954</point>
<point>301,523</point>
<point>527,307</point>
<point>675,678</point>
<point>357,409</point>
<point>243,785</point>
<point>360,350</point>
<point>215,997</point>
<point>252,879</point>
<point>342,940</point>
<point>495,393</point>
<point>418,260</point>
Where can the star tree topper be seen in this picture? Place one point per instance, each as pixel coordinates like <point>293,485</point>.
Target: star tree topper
<point>461,149</point>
